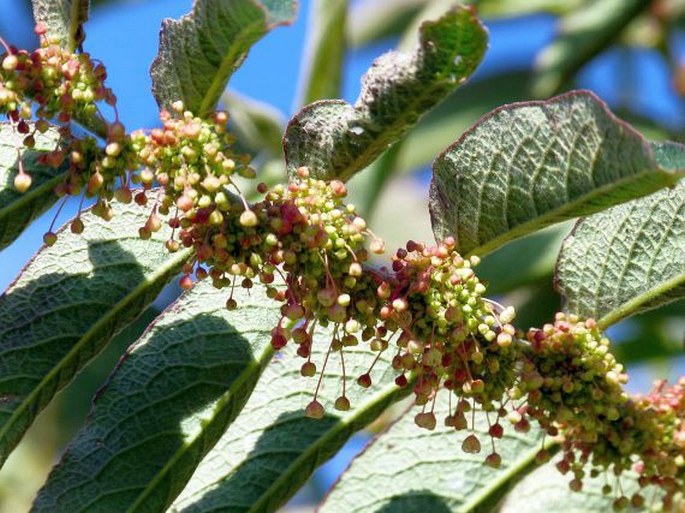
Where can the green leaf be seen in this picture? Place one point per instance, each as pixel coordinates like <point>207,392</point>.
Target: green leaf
<point>326,48</point>
<point>64,20</point>
<point>165,406</point>
<point>68,302</point>
<point>200,51</point>
<point>546,489</point>
<point>627,259</point>
<point>258,126</point>
<point>411,470</point>
<point>272,448</point>
<point>529,165</point>
<point>583,33</point>
<point>432,9</point>
<point>438,129</point>
<point>336,140</point>
<point>17,210</point>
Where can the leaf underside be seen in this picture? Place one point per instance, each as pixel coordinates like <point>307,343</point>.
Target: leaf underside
<point>175,393</point>
<point>18,210</point>
<point>67,303</point>
<point>164,406</point>
<point>529,165</point>
<point>272,449</point>
<point>627,259</point>
<point>200,51</point>
<point>410,469</point>
<point>64,20</point>
<point>545,489</point>
<point>336,140</point>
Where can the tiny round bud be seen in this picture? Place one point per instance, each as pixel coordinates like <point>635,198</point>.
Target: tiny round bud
<point>50,238</point>
<point>314,410</point>
<point>22,182</point>
<point>248,219</point>
<point>621,503</point>
<point>493,460</point>
<point>308,369</point>
<point>471,444</point>
<point>575,485</point>
<point>123,195</point>
<point>10,63</point>
<point>186,282</point>
<point>426,420</point>
<point>542,457</point>
<point>342,403</point>
<point>496,431</point>
<point>144,233</point>
<point>172,245</point>
<point>77,226</point>
<point>364,381</point>
<point>377,246</point>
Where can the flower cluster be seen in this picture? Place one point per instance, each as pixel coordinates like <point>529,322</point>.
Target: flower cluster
<point>574,388</point>
<point>648,437</point>
<point>449,336</point>
<point>52,84</point>
<point>61,83</point>
<point>659,439</point>
<point>311,251</point>
<point>192,160</point>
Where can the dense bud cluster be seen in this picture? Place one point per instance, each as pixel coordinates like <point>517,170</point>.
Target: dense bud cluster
<point>574,388</point>
<point>60,83</point>
<point>310,249</point>
<point>571,378</point>
<point>52,84</point>
<point>191,159</point>
<point>647,437</point>
<point>449,335</point>
<point>658,436</point>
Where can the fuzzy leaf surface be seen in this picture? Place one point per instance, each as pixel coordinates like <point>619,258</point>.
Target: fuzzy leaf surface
<point>165,406</point>
<point>199,52</point>
<point>17,209</point>
<point>411,469</point>
<point>545,489</point>
<point>64,20</point>
<point>336,140</point>
<point>627,259</point>
<point>66,305</point>
<point>272,448</point>
<point>529,165</point>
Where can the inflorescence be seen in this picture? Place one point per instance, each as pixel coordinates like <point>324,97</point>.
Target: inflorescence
<point>311,252</point>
